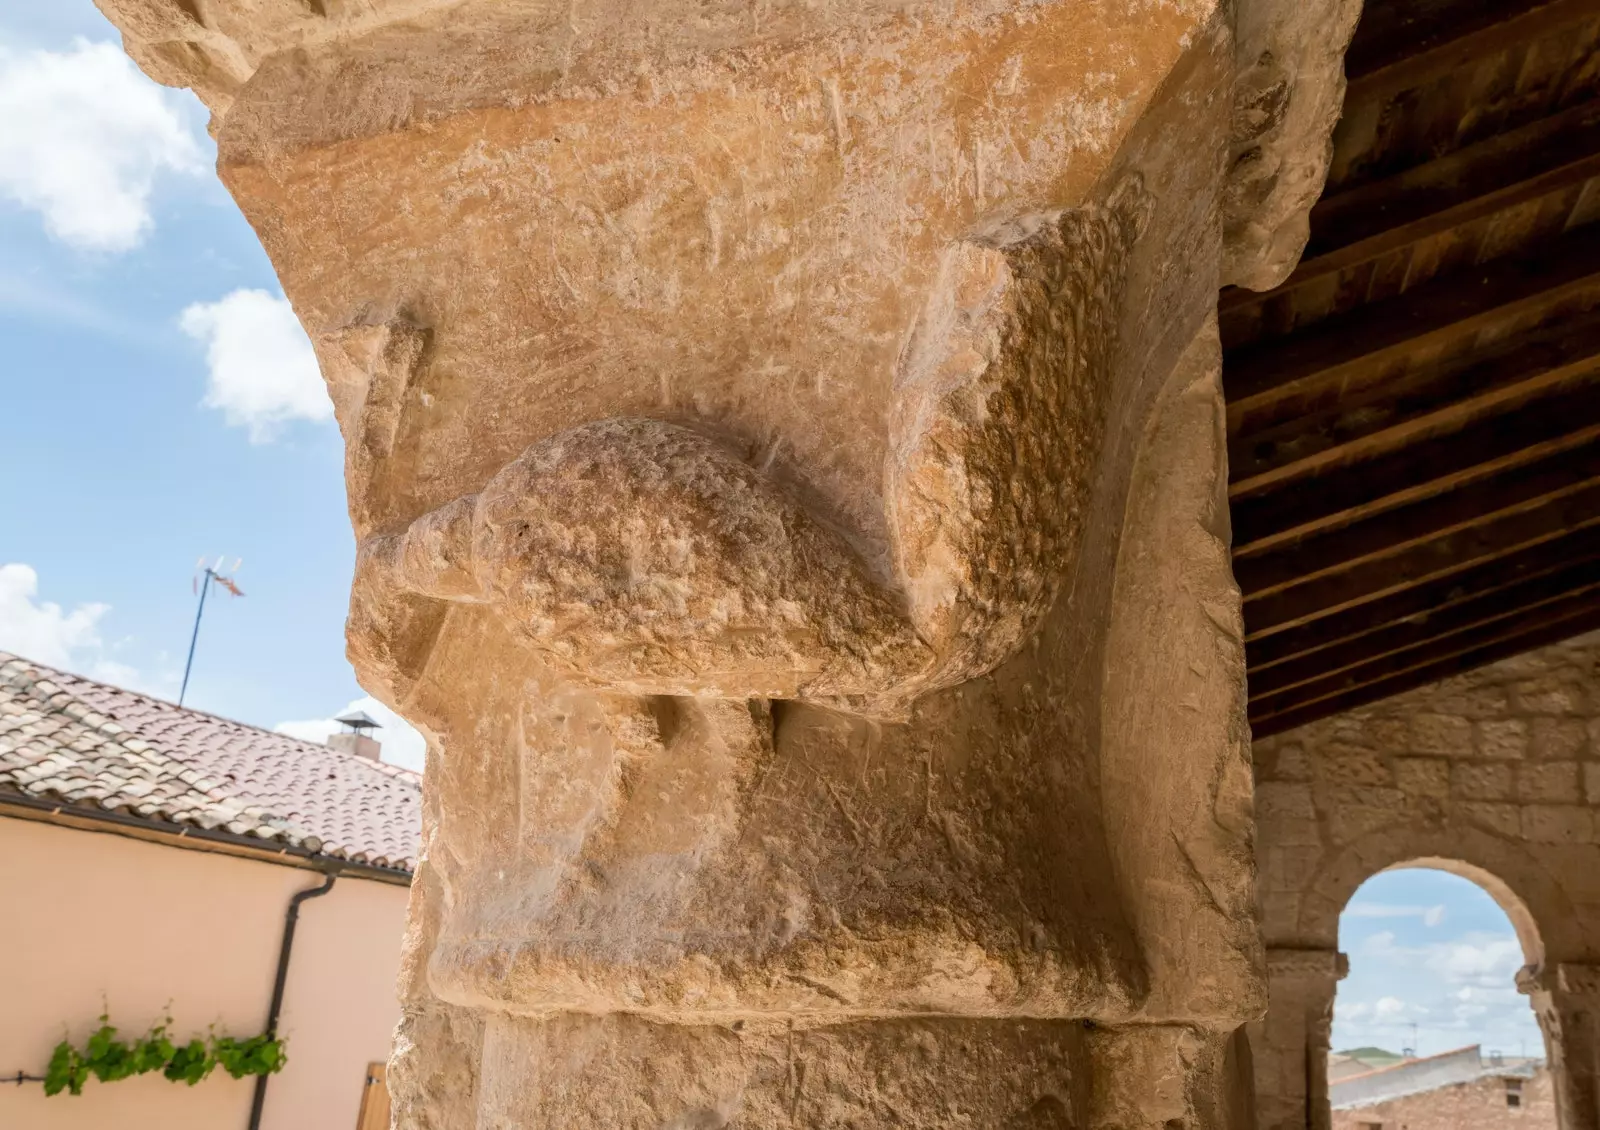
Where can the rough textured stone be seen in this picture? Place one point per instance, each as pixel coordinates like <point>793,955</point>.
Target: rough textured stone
<point>1422,776</point>
<point>1481,782</point>
<point>1557,737</point>
<point>1503,737</point>
<point>786,452</point>
<point>1554,782</point>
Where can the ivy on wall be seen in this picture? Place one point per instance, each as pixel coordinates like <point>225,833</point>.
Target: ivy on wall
<point>107,1058</point>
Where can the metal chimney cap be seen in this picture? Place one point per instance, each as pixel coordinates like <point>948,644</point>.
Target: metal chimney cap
<point>359,721</point>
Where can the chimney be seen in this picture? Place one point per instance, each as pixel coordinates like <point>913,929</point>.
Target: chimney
<point>356,737</point>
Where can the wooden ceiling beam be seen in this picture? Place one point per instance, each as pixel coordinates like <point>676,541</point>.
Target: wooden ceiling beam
<point>1296,511</point>
<point>1580,548</point>
<point>1560,609</point>
<point>1386,534</point>
<point>1372,579</point>
<point>1478,654</point>
<point>1500,173</point>
<point>1421,403</point>
<point>1314,368</point>
<point>1514,600</point>
<point>1408,68</point>
<point>1492,175</point>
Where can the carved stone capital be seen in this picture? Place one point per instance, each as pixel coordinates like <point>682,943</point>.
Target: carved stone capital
<point>786,449</point>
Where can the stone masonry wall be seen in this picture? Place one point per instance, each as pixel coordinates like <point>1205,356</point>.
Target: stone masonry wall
<point>1493,775</point>
<point>1479,1105</point>
<point>1498,768</point>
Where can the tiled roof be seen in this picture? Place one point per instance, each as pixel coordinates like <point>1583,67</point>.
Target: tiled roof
<point>63,737</point>
<point>1417,1076</point>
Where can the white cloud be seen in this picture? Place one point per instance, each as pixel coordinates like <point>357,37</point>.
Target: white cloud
<point>85,137</point>
<point>1430,915</point>
<point>402,745</point>
<point>44,632</point>
<point>263,372</point>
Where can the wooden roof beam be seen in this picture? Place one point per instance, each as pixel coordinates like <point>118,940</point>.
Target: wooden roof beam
<point>1297,512</point>
<point>1462,654</point>
<point>1421,403</point>
<point>1314,368</point>
<point>1487,608</point>
<point>1408,68</point>
<point>1580,548</point>
<point>1501,535</point>
<point>1502,172</point>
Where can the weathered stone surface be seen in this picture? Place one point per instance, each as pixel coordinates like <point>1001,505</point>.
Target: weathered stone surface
<point>785,446</point>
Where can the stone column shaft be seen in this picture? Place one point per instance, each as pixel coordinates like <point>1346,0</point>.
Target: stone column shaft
<point>1291,1045</point>
<point>1566,998</point>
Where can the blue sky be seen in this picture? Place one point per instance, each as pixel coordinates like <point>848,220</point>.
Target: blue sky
<point>1434,950</point>
<point>160,402</point>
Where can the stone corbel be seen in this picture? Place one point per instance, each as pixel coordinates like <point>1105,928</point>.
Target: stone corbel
<point>1570,978</point>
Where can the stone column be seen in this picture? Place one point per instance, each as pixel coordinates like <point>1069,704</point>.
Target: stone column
<point>1290,1046</point>
<point>1566,998</point>
<point>785,449</point>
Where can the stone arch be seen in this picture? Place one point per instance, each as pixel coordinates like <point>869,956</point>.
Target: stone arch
<point>1539,909</point>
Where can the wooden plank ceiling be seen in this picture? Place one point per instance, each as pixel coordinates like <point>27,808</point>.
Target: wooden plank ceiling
<point>1414,416</point>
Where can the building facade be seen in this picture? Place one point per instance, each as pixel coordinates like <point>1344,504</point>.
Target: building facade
<point>152,855</point>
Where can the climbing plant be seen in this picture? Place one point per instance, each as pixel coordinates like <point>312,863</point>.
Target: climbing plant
<point>108,1058</point>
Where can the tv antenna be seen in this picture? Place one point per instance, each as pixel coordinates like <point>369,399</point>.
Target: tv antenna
<point>202,582</point>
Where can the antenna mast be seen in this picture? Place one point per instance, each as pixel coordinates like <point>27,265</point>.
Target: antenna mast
<point>208,574</point>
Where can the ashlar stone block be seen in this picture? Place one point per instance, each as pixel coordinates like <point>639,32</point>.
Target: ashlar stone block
<point>1503,738</point>
<point>1479,781</point>
<point>1550,782</point>
<point>1422,776</point>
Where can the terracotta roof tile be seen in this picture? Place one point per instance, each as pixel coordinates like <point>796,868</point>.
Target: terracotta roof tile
<point>70,738</point>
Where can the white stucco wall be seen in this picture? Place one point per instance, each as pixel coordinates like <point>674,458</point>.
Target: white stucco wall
<point>88,916</point>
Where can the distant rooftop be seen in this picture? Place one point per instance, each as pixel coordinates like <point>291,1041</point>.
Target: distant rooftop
<point>93,746</point>
<point>1429,1073</point>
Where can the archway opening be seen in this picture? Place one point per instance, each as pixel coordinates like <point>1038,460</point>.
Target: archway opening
<point>1429,1023</point>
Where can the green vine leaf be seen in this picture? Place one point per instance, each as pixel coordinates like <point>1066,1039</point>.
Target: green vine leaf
<point>67,1071</point>
<point>108,1058</point>
<point>190,1063</point>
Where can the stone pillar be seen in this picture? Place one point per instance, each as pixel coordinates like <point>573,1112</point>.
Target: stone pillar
<point>785,448</point>
<point>1290,1046</point>
<point>1566,999</point>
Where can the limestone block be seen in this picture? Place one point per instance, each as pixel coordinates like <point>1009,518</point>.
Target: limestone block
<point>1468,697</point>
<point>1281,761</point>
<point>1290,868</point>
<point>1286,815</point>
<point>1557,737</point>
<point>1422,776</point>
<point>1475,781</point>
<point>1280,915</point>
<point>1591,782</point>
<point>1551,782</point>
<point>1502,819</point>
<point>1359,812</point>
<point>1389,734</point>
<point>1502,738</point>
<point>1442,734</point>
<point>1558,823</point>
<point>1548,695</point>
<point>1341,764</point>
